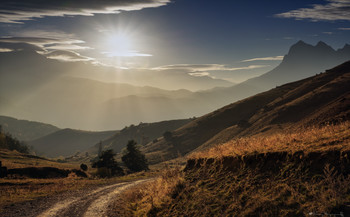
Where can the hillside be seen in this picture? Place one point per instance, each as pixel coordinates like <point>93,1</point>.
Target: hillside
<point>142,134</point>
<point>316,100</point>
<point>293,173</point>
<point>25,130</point>
<point>67,142</point>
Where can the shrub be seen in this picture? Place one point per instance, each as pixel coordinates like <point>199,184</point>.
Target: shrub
<point>83,167</point>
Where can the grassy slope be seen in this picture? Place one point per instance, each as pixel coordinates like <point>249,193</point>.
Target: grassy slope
<point>142,134</point>
<point>292,174</point>
<point>315,100</point>
<point>14,159</point>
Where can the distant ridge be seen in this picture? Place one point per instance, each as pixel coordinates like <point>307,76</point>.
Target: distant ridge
<point>142,134</point>
<point>67,142</point>
<point>25,130</point>
<point>303,60</point>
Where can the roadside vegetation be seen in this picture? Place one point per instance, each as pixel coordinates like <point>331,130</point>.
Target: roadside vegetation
<point>18,186</point>
<point>298,173</point>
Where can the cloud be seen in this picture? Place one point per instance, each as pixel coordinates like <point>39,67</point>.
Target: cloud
<point>67,56</point>
<point>129,53</point>
<point>206,67</point>
<point>344,29</point>
<point>21,10</point>
<point>199,74</point>
<point>63,49</point>
<point>5,50</point>
<point>264,59</point>
<point>18,46</point>
<point>48,43</point>
<point>333,10</point>
<point>52,44</point>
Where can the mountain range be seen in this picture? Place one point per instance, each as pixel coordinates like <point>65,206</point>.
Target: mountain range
<point>67,96</point>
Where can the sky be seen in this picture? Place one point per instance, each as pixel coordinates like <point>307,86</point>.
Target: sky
<point>232,40</point>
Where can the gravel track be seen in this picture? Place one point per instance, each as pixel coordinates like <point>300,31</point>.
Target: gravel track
<point>84,203</point>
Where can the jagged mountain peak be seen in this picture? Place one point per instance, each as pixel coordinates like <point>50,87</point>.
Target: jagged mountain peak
<point>301,48</point>
<point>324,46</point>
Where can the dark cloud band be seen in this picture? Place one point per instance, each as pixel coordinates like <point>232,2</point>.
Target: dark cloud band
<point>334,10</point>
<point>15,11</point>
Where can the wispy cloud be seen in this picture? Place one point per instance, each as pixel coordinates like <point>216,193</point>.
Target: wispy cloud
<point>20,10</point>
<point>5,50</point>
<point>48,40</point>
<point>333,10</point>
<point>200,74</point>
<point>67,56</point>
<point>207,67</point>
<point>275,58</point>
<point>129,53</point>
<point>344,29</point>
<point>53,45</point>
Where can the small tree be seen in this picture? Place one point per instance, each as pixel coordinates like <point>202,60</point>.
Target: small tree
<point>167,135</point>
<point>133,158</point>
<point>107,164</point>
<point>99,149</point>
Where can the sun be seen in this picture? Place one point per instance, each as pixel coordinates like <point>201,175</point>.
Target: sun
<point>118,44</point>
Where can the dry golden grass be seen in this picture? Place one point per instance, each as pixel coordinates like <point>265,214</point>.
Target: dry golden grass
<point>291,191</point>
<point>147,197</point>
<point>304,139</point>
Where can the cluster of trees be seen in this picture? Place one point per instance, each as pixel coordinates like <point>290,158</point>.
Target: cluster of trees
<point>133,159</point>
<point>11,143</point>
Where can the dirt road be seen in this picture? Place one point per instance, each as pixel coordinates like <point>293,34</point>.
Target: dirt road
<point>86,203</point>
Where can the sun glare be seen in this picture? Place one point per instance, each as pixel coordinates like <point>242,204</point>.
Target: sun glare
<point>118,45</point>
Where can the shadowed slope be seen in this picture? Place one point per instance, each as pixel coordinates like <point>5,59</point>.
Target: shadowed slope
<point>315,100</point>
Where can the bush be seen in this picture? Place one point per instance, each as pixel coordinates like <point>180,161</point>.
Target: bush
<point>83,167</point>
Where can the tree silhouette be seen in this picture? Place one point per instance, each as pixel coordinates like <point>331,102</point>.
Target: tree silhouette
<point>167,135</point>
<point>107,163</point>
<point>11,143</point>
<point>133,158</point>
